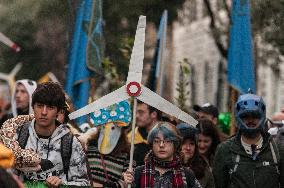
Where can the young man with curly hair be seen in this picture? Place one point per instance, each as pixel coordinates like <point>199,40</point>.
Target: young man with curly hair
<point>47,137</point>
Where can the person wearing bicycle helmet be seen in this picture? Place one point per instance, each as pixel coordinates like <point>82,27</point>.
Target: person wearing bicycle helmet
<point>251,158</point>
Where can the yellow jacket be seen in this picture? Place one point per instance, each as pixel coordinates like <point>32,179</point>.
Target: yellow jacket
<point>138,139</point>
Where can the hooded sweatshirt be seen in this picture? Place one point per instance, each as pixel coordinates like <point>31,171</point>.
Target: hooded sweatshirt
<point>50,149</point>
<point>30,86</point>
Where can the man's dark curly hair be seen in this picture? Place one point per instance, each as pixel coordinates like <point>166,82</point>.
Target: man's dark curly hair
<point>152,109</point>
<point>49,93</point>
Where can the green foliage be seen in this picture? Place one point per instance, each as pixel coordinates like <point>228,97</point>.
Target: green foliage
<point>110,72</point>
<point>29,54</point>
<point>126,46</point>
<point>42,28</point>
<point>267,19</point>
<point>60,10</point>
<point>124,49</point>
<point>121,19</point>
<point>182,84</point>
<point>26,23</point>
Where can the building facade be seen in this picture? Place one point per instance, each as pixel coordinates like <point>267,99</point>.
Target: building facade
<point>192,39</point>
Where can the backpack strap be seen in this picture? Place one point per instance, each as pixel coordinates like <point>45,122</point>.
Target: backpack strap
<point>23,135</point>
<point>274,154</point>
<point>66,145</point>
<point>237,160</point>
<point>66,151</point>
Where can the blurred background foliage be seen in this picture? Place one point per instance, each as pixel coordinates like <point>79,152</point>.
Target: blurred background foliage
<point>44,28</point>
<point>40,29</point>
<point>268,20</point>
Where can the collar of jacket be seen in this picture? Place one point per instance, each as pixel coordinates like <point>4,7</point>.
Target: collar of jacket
<point>236,146</point>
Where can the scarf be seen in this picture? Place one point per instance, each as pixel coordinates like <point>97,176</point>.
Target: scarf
<point>147,179</point>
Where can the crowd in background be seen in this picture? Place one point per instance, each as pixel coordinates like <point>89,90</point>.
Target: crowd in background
<point>39,145</point>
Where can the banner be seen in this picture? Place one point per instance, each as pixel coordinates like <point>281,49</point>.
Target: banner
<point>78,76</point>
<point>95,48</point>
<point>241,72</point>
<point>156,77</point>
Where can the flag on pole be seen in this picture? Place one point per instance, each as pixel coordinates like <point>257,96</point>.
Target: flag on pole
<point>95,49</point>
<point>241,73</point>
<point>78,76</point>
<point>9,43</point>
<point>156,77</point>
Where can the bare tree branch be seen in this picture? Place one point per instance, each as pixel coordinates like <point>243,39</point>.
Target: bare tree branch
<point>215,31</point>
<point>227,8</point>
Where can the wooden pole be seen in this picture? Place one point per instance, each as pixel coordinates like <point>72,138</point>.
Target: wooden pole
<point>132,137</point>
<point>233,99</point>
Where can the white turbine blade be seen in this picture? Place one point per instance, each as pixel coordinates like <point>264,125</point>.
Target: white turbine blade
<point>9,43</point>
<point>16,69</point>
<point>12,74</point>
<point>137,55</point>
<point>8,78</point>
<point>153,99</point>
<point>4,76</point>
<point>105,101</point>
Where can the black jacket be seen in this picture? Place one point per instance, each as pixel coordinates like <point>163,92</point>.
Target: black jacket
<point>248,173</point>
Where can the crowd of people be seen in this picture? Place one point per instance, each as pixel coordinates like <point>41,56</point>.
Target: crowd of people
<point>41,147</point>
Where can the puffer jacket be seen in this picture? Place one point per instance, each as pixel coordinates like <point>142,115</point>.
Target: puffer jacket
<point>248,173</point>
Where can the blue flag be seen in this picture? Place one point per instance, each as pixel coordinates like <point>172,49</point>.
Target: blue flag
<point>95,49</point>
<point>241,73</point>
<point>77,83</point>
<point>156,77</point>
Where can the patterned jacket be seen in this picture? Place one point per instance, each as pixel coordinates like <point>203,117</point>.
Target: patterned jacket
<point>50,149</point>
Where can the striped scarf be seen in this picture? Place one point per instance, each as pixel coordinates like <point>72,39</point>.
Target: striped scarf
<point>148,173</point>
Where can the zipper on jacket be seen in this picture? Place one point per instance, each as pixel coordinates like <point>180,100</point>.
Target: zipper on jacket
<point>253,176</point>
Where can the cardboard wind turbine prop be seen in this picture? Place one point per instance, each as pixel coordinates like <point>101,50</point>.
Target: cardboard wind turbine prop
<point>9,43</point>
<point>10,78</point>
<point>134,88</point>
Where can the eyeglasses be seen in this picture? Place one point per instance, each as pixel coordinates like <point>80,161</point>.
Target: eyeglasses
<point>165,142</point>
